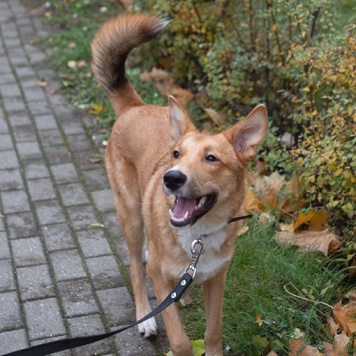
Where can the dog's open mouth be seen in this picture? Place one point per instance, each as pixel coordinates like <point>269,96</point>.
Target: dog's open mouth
<point>188,211</point>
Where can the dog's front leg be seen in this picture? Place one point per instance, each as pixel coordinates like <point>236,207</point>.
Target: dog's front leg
<point>213,290</point>
<point>178,340</point>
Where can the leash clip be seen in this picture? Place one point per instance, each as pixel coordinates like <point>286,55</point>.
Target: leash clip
<point>197,248</point>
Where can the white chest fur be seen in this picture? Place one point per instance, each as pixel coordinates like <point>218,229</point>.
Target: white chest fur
<point>211,260</point>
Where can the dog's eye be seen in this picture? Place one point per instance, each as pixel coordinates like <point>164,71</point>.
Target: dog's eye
<point>176,154</point>
<point>211,158</point>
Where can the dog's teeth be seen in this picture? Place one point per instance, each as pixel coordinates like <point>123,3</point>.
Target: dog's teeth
<point>185,217</point>
<point>171,214</point>
<point>202,202</point>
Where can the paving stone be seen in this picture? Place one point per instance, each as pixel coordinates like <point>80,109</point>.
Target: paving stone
<point>11,90</point>
<point>6,142</point>
<point>104,272</point>
<point>13,340</point>
<point>34,282</point>
<point>64,173</point>
<point>19,119</point>
<point>7,281</point>
<point>36,169</point>
<point>10,180</point>
<point>4,250</point>
<point>14,201</point>
<point>13,104</point>
<point>118,306</point>
<point>82,158</point>
<point>58,154</point>
<point>49,212</point>
<point>93,243</point>
<point>77,298</point>
<point>45,122</point>
<point>72,127</point>
<point>10,316</point>
<point>34,94</point>
<point>43,318</point>
<point>104,200</point>
<point>82,217</point>
<point>96,179</point>
<point>67,265</point>
<point>79,142</point>
<point>8,160</point>
<point>21,225</point>
<point>24,133</point>
<point>50,137</point>
<point>28,252</point>
<point>130,342</point>
<point>29,150</point>
<point>41,189</point>
<point>39,108</point>
<point>73,194</point>
<point>57,237</point>
<point>87,325</point>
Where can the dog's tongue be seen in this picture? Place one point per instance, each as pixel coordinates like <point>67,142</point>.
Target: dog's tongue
<point>182,205</point>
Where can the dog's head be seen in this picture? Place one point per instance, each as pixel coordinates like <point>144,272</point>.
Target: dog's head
<point>206,171</point>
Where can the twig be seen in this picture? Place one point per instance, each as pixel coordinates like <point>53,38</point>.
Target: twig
<point>306,299</point>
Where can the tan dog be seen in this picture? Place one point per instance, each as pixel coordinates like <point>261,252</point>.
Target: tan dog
<point>171,184</point>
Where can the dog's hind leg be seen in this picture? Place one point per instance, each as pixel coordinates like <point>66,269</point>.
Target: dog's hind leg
<point>124,183</point>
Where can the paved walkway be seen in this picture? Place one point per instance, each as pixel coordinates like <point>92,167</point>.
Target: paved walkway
<point>62,262</point>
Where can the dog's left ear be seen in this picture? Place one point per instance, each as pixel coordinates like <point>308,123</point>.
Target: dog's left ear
<point>248,133</point>
<point>180,121</point>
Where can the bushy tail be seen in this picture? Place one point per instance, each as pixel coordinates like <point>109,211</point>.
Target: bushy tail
<point>110,47</point>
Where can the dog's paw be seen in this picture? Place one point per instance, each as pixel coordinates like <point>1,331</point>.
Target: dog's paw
<point>148,328</point>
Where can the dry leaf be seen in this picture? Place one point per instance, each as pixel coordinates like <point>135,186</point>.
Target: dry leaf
<point>307,241</point>
<point>259,320</point>
<point>215,116</point>
<point>41,83</point>
<point>345,316</point>
<point>340,345</point>
<point>163,81</point>
<point>299,348</point>
<point>95,160</point>
<point>316,220</point>
<point>331,326</point>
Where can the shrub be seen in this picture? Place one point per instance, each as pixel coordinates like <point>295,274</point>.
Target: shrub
<point>291,55</point>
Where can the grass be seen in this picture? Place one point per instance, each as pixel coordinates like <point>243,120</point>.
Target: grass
<point>258,276</point>
<point>280,285</point>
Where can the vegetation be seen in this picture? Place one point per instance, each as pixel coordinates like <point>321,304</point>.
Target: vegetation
<point>298,57</point>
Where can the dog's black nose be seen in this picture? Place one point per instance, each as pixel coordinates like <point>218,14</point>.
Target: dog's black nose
<point>174,179</point>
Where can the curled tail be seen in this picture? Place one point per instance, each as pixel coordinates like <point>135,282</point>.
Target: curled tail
<point>110,48</point>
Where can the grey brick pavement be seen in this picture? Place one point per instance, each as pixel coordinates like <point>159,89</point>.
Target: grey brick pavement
<point>62,261</point>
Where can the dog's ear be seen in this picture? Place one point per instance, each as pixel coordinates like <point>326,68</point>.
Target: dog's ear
<point>180,122</point>
<point>249,132</point>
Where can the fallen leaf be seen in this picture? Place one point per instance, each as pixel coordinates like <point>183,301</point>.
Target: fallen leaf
<point>214,115</point>
<point>316,220</point>
<point>345,316</point>
<point>300,348</point>
<point>186,300</point>
<point>41,83</point>
<point>340,345</point>
<point>97,109</point>
<point>72,64</point>
<point>309,241</point>
<point>259,320</point>
<point>331,326</point>
<point>95,160</point>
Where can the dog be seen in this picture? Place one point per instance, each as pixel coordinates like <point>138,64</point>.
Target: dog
<point>171,184</point>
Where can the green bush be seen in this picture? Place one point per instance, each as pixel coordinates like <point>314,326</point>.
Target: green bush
<point>291,55</point>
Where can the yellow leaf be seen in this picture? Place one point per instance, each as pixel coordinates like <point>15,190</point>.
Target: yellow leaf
<point>259,320</point>
<point>303,219</point>
<point>274,28</point>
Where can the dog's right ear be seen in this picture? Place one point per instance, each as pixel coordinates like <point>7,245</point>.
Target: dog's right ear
<point>180,121</point>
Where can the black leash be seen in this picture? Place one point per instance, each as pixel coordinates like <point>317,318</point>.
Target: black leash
<point>66,344</point>
<point>174,296</point>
